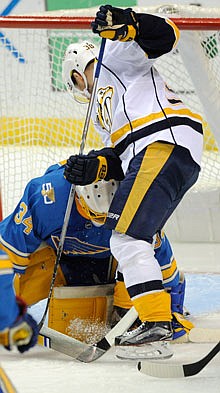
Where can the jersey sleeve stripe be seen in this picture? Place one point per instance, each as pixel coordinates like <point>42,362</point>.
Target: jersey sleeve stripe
<point>153,118</point>
<point>175,30</point>
<point>8,247</point>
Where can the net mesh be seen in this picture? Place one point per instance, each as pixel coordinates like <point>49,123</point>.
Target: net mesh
<point>41,124</point>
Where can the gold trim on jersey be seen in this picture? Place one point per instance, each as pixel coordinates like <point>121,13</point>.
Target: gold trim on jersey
<point>19,262</point>
<point>7,247</point>
<point>104,111</point>
<point>79,247</point>
<point>175,29</point>
<point>144,121</point>
<point>153,161</point>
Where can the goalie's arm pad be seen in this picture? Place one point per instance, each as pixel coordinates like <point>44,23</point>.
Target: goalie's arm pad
<point>156,35</point>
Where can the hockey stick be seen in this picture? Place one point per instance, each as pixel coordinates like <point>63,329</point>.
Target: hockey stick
<point>60,342</point>
<point>6,385</point>
<point>78,350</point>
<point>163,370</point>
<point>204,335</point>
<point>72,189</point>
<point>97,350</point>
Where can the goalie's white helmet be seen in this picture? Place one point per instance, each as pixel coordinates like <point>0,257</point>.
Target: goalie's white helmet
<point>95,199</point>
<point>76,58</point>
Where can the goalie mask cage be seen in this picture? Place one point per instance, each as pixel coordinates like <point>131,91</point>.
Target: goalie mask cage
<point>41,125</point>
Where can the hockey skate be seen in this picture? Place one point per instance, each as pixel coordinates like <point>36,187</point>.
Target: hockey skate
<point>147,341</point>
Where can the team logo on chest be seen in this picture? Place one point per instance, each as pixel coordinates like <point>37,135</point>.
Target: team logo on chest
<point>104,111</point>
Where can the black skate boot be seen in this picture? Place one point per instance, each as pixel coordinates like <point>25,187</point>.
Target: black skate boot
<point>147,332</point>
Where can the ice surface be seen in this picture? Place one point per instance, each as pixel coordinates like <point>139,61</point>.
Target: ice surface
<point>45,371</point>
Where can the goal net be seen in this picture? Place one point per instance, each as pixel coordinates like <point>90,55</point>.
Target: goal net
<point>40,123</point>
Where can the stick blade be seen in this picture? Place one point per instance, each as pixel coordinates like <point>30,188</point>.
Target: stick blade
<point>91,354</point>
<point>61,342</point>
<point>161,370</point>
<point>200,335</point>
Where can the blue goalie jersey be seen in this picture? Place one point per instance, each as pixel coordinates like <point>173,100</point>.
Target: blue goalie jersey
<point>39,218</point>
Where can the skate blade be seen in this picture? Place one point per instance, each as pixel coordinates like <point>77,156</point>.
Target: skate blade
<point>151,351</point>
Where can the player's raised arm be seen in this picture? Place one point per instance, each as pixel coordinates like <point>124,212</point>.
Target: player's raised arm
<point>155,35</point>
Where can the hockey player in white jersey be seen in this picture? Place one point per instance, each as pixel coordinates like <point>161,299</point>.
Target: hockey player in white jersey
<point>154,147</point>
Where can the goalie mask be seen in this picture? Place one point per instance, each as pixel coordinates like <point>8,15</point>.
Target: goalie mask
<point>76,58</point>
<point>94,200</point>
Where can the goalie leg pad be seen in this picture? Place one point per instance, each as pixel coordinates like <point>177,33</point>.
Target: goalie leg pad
<point>177,294</point>
<point>81,312</point>
<point>34,285</point>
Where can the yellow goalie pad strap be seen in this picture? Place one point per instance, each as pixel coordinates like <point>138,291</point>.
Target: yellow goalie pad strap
<point>34,285</point>
<point>154,307</point>
<point>89,304</point>
<point>186,324</point>
<point>121,296</point>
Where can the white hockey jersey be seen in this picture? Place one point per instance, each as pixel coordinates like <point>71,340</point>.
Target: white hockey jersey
<point>135,108</point>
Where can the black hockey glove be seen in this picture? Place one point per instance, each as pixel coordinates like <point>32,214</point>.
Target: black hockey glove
<point>97,165</point>
<point>115,23</point>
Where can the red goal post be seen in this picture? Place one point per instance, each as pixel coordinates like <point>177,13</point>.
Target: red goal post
<point>80,22</point>
<point>41,125</point>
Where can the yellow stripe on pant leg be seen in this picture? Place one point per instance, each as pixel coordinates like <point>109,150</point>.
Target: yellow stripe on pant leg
<point>153,161</point>
<point>154,307</point>
<point>121,296</point>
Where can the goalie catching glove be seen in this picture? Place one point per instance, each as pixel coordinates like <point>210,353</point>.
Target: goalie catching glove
<point>23,333</point>
<point>98,165</point>
<point>115,23</point>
